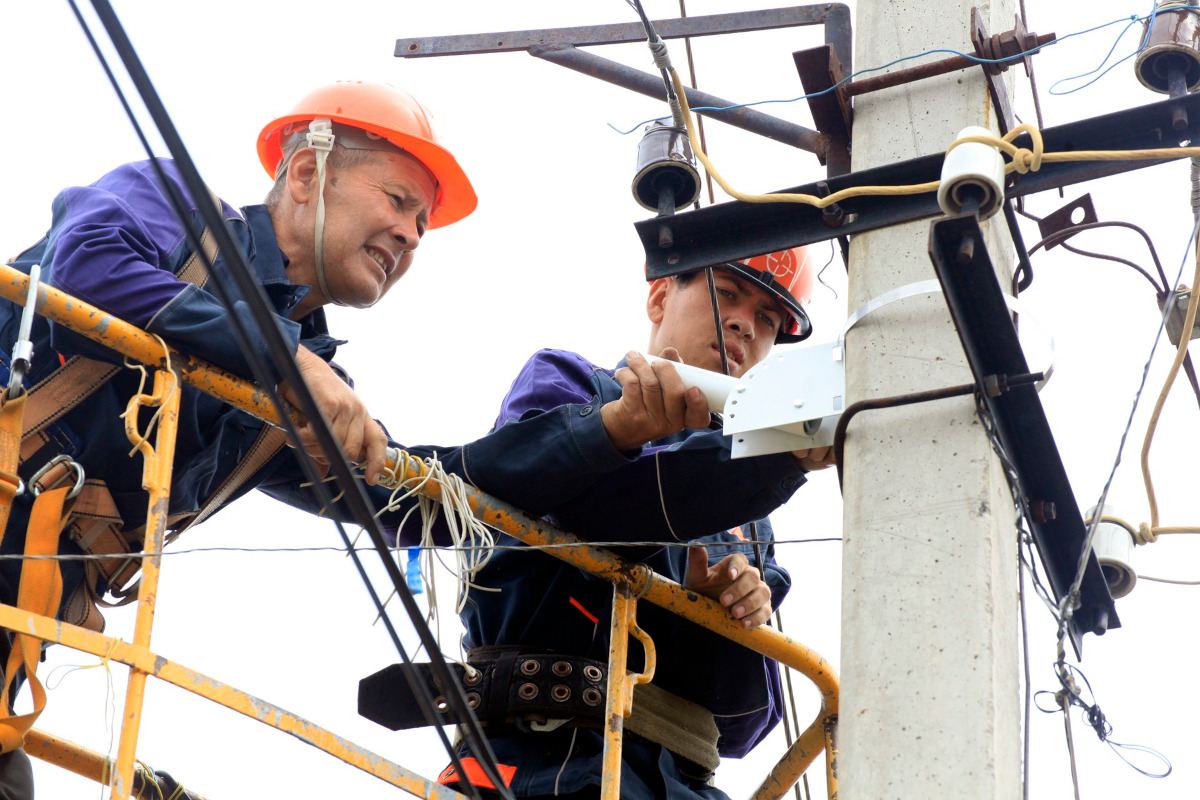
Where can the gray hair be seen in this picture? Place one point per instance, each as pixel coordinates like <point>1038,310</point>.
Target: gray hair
<point>340,157</point>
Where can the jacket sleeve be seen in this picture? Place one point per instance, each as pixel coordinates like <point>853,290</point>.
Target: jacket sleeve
<point>551,456</point>
<point>114,244</point>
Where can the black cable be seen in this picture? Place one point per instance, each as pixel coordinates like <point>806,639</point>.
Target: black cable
<point>652,39</point>
<point>716,308</point>
<point>281,355</point>
<point>1062,235</point>
<point>1079,251</point>
<point>1060,238</point>
<point>821,272</point>
<point>1023,276</point>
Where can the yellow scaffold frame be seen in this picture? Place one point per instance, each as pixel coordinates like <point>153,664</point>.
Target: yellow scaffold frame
<point>631,582</point>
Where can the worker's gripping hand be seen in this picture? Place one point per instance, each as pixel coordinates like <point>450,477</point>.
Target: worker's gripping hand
<point>816,458</point>
<point>360,436</point>
<point>733,583</point>
<point>654,403</point>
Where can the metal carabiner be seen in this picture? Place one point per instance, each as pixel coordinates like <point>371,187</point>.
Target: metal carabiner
<point>51,464</point>
<point>22,353</point>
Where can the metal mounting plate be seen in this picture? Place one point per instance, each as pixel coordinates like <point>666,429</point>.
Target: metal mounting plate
<point>787,390</point>
<point>736,230</point>
<point>992,348</point>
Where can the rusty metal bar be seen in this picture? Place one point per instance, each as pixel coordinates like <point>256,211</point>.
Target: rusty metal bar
<point>584,36</point>
<point>619,699</point>
<point>126,339</point>
<point>88,763</point>
<point>69,756</point>
<point>156,480</point>
<point>140,658</point>
<point>648,585</point>
<point>651,85</point>
<point>942,66</point>
<point>831,754</point>
<point>131,341</point>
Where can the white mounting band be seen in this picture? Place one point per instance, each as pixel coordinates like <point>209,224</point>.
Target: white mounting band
<point>932,287</point>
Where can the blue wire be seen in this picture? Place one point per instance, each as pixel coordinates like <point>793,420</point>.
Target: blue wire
<point>1108,55</point>
<point>1155,11</point>
<point>1129,22</point>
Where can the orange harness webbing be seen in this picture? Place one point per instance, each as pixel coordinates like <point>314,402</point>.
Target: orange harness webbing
<point>12,417</point>
<point>39,592</point>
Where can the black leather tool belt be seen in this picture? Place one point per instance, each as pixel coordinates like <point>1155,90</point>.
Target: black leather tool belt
<point>505,685</point>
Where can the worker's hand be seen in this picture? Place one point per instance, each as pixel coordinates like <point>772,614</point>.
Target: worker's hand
<point>360,436</point>
<point>733,583</point>
<point>654,403</point>
<point>816,458</point>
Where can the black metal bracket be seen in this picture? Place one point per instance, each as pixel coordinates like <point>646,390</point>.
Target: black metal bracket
<point>560,46</point>
<point>736,230</point>
<point>993,350</point>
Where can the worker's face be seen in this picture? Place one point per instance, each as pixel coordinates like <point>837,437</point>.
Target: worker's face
<point>682,318</point>
<point>375,215</point>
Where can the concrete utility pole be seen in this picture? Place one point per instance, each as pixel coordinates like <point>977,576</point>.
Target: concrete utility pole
<point>930,702</point>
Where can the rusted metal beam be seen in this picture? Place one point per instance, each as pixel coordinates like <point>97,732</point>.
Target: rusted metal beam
<point>156,480</point>
<point>652,86</point>
<point>622,33</point>
<point>735,230</point>
<point>113,649</point>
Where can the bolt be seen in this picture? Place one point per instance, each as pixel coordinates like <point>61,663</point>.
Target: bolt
<point>1043,511</point>
<point>966,250</point>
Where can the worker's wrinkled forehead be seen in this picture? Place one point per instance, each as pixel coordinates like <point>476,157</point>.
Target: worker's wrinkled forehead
<point>745,286</point>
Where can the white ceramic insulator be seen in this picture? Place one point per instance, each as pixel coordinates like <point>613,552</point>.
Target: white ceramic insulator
<point>972,164</point>
<point>1113,545</point>
<point>715,387</point>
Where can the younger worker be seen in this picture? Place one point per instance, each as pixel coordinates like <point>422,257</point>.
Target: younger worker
<point>359,178</point>
<point>634,457</point>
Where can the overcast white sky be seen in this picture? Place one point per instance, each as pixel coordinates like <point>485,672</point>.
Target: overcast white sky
<point>551,259</point>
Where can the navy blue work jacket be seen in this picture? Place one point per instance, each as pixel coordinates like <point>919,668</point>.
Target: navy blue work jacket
<point>117,244</point>
<point>550,455</point>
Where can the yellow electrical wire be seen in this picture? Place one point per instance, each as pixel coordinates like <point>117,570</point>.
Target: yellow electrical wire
<point>1180,353</point>
<point>1022,160</point>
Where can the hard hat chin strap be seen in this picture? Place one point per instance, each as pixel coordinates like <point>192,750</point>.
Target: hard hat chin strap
<point>320,139</point>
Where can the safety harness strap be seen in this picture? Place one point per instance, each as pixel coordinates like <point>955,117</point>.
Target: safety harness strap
<point>97,525</point>
<point>509,688</point>
<point>39,592</point>
<point>78,378</point>
<point>269,442</point>
<point>194,270</point>
<point>62,390</point>
<point>685,728</point>
<point>12,415</point>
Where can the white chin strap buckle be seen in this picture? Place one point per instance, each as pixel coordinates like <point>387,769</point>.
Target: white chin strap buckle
<point>320,134</point>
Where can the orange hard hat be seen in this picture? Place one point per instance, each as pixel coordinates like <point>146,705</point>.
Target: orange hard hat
<point>385,111</point>
<point>789,275</point>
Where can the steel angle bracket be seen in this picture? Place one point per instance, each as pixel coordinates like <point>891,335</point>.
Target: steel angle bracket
<point>561,46</point>
<point>994,353</point>
<point>736,230</point>
<point>790,401</point>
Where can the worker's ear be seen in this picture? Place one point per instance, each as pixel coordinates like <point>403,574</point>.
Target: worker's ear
<point>656,303</point>
<point>302,176</point>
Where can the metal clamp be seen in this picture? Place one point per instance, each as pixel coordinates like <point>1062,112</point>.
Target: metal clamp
<point>22,353</point>
<point>71,465</point>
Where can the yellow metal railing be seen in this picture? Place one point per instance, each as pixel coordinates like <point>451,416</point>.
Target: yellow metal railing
<point>631,583</point>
